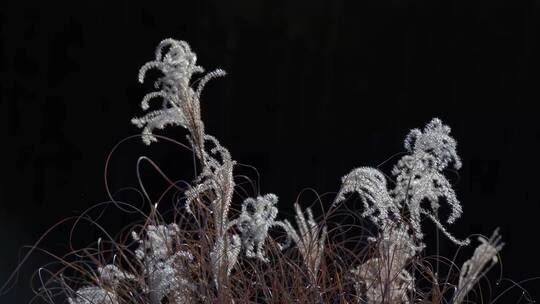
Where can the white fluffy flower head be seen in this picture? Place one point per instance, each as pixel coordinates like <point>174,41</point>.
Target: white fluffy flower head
<point>258,215</point>
<point>419,177</point>
<point>370,185</point>
<point>180,102</point>
<point>436,141</point>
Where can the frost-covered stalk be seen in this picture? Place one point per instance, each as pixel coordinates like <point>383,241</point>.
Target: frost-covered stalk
<point>485,255</point>
<point>257,216</point>
<point>216,183</point>
<point>370,184</point>
<point>180,102</point>
<point>309,240</point>
<point>109,279</point>
<point>419,177</point>
<point>93,295</point>
<point>223,256</point>
<point>163,265</point>
<point>181,106</point>
<point>385,277</point>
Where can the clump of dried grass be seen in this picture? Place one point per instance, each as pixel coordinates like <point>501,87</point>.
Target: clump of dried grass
<point>213,249</point>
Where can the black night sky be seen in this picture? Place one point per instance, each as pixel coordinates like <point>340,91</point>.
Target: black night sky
<point>314,89</point>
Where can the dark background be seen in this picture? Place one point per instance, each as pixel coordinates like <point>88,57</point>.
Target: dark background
<point>315,88</point>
